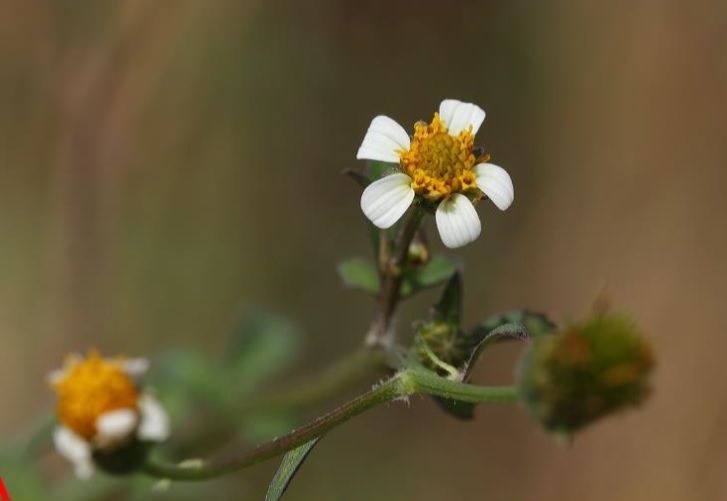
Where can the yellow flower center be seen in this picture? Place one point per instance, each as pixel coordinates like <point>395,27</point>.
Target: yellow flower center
<point>438,163</point>
<point>90,388</point>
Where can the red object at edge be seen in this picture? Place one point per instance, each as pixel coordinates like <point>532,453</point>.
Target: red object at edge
<point>3,492</point>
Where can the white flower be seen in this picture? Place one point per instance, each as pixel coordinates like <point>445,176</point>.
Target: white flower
<point>101,408</point>
<point>438,164</point>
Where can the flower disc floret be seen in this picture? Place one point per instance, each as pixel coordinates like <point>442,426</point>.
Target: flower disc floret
<point>438,163</point>
<point>91,388</point>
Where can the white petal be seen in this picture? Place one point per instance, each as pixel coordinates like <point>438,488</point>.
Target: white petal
<point>115,425</point>
<point>382,141</point>
<point>386,200</point>
<point>495,182</point>
<point>457,221</point>
<point>75,449</point>
<point>458,116</point>
<point>136,367</point>
<point>154,420</point>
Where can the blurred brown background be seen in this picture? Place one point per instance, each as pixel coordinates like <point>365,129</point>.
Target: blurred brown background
<point>164,164</point>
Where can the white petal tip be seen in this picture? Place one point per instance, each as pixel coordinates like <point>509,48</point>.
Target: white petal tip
<point>458,116</point>
<point>496,183</point>
<point>384,201</point>
<point>457,221</point>
<point>383,140</point>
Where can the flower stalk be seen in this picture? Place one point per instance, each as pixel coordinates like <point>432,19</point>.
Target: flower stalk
<point>411,381</point>
<point>390,277</point>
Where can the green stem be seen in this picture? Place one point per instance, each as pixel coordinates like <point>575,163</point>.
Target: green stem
<point>408,382</point>
<point>385,392</point>
<point>426,381</point>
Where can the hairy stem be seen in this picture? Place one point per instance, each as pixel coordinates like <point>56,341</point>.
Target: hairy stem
<point>385,392</point>
<point>407,382</point>
<point>420,380</point>
<point>390,276</point>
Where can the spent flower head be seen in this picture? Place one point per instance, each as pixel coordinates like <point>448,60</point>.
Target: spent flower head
<point>440,165</point>
<point>586,371</point>
<point>101,409</point>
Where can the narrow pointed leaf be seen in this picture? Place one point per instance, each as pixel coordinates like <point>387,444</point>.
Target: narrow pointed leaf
<point>287,470</point>
<point>519,325</point>
<point>536,323</point>
<point>507,332</point>
<point>515,325</point>
<point>359,274</point>
<point>449,306</point>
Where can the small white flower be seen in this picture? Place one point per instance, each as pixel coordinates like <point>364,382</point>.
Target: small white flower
<point>438,164</point>
<point>100,407</point>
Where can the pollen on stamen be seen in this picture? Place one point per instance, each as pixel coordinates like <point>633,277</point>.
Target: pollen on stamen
<point>438,163</point>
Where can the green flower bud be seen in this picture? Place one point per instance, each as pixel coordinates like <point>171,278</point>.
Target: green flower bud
<point>418,252</point>
<point>587,371</point>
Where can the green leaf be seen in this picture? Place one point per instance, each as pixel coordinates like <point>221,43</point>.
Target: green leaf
<point>535,323</point>
<point>507,332</point>
<point>287,470</point>
<point>515,325</point>
<point>376,170</point>
<point>261,346</point>
<point>437,271</point>
<point>359,274</point>
<point>448,308</point>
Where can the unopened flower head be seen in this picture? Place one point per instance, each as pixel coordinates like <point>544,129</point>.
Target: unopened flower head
<point>101,408</point>
<point>439,164</point>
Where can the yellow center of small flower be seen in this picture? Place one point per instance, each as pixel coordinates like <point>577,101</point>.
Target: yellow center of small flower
<point>90,388</point>
<point>438,163</point>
